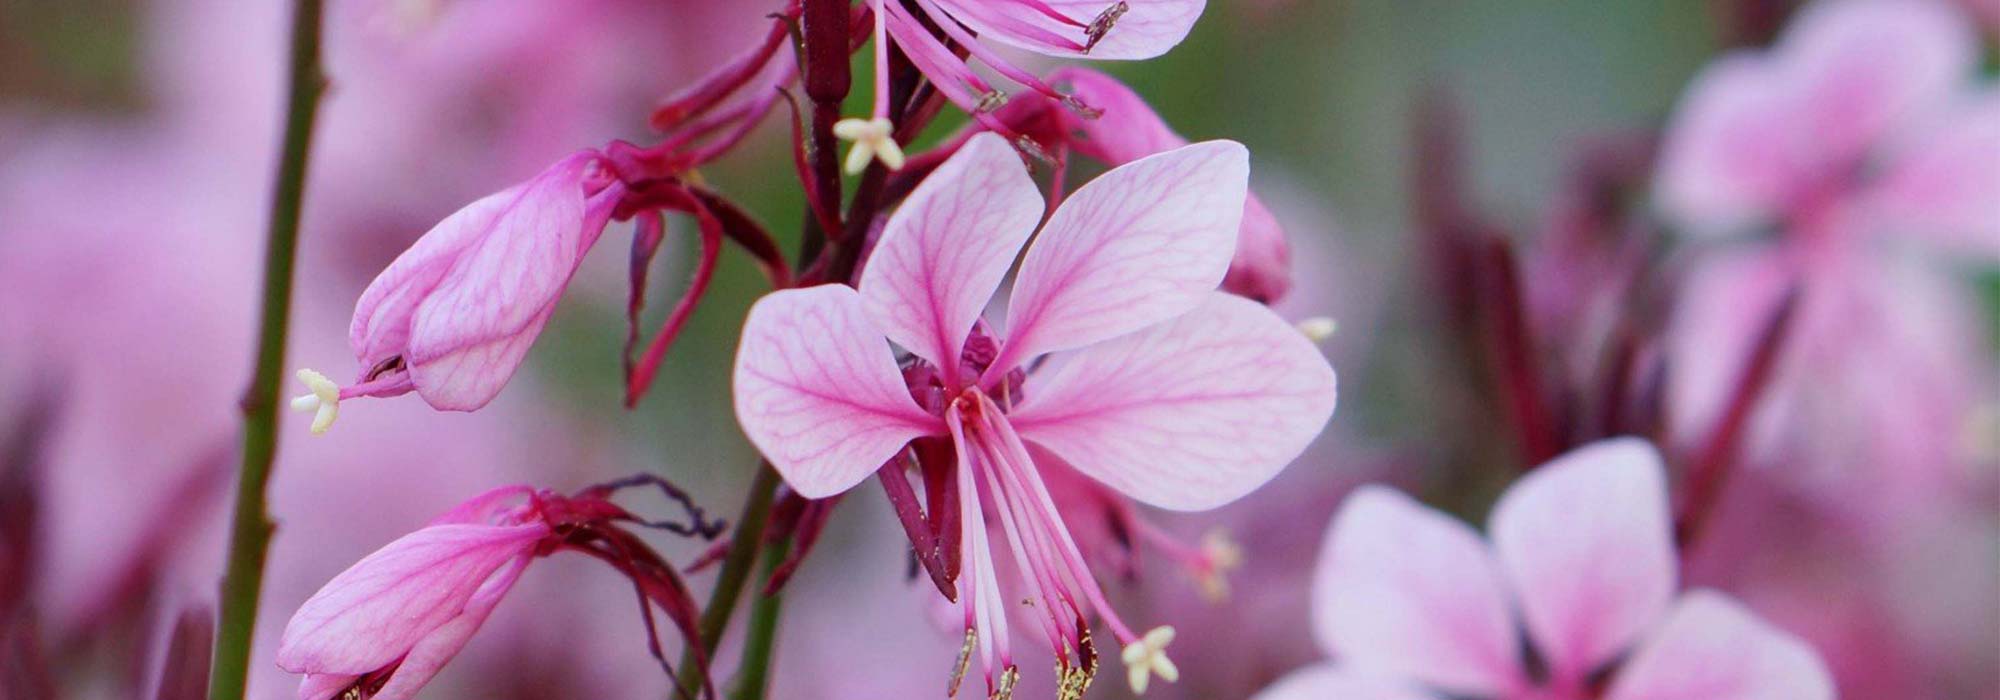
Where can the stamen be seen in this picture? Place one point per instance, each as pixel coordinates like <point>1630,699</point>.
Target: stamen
<point>1223,556</point>
<point>1147,657</point>
<point>992,101</point>
<point>874,139</point>
<point>1102,25</point>
<point>1318,328</point>
<point>964,661</point>
<point>323,401</point>
<point>1005,689</point>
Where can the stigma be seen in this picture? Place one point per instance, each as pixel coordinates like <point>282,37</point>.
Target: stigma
<point>874,139</point>
<point>323,400</point>
<point>1146,657</point>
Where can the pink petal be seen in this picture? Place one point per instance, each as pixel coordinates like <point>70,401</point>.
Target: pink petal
<point>1128,129</point>
<point>375,611</point>
<point>436,649</point>
<point>1946,183</point>
<point>1587,542</point>
<point>324,686</point>
<point>948,247</point>
<point>1863,69</point>
<point>818,392</point>
<point>1189,414</point>
<point>470,332</point>
<point>1329,682</point>
<point>1141,244</point>
<point>1147,29</point>
<point>1409,592</point>
<point>1710,647</point>
<point>1731,156</point>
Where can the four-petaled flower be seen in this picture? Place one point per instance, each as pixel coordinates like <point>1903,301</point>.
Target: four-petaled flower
<point>1154,383</point>
<point>1414,606</point>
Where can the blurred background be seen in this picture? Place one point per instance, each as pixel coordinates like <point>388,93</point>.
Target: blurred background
<point>137,141</point>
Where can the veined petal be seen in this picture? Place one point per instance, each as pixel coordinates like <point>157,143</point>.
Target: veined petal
<point>1331,682</point>
<point>1944,183</point>
<point>818,392</point>
<point>1147,28</point>
<point>1732,156</point>
<point>1408,592</point>
<point>1864,69</point>
<point>436,649</point>
<point>1711,647</point>
<point>469,334</point>
<point>1140,244</point>
<point>1588,544</point>
<point>381,326</point>
<point>1128,129</point>
<point>377,610</point>
<point>325,686</point>
<point>948,247</point>
<point>1189,414</point>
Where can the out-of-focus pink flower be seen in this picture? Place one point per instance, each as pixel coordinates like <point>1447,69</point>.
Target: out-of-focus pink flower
<point>1413,604</point>
<point>1156,386</point>
<point>391,621</point>
<point>454,315</point>
<point>1867,104</point>
<point>1118,29</point>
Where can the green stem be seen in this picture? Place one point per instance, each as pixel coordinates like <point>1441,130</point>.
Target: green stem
<point>736,566</point>
<point>250,533</point>
<point>754,675</point>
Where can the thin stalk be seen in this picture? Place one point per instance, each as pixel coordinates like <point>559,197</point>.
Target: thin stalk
<point>736,566</point>
<point>250,534</point>
<point>754,675</point>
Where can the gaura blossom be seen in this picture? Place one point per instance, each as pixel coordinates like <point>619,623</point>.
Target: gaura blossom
<point>1103,29</point>
<point>1413,605</point>
<point>1866,116</point>
<point>388,624</point>
<point>1863,135</point>
<point>1154,384</point>
<point>383,628</point>
<point>453,316</point>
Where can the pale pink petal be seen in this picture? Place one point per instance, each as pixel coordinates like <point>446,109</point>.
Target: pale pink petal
<point>1128,129</point>
<point>1330,682</point>
<point>375,611</point>
<point>1863,69</point>
<point>1711,648</point>
<point>481,509</point>
<point>948,247</point>
<point>1147,29</point>
<point>1140,244</point>
<point>324,686</point>
<point>1189,414</point>
<point>1409,592</point>
<point>436,649</point>
<point>818,392</point>
<point>472,329</point>
<point>1945,185</point>
<point>381,326</point>
<point>1732,155</point>
<point>1588,544</point>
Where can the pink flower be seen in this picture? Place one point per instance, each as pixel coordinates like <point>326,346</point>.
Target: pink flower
<point>1156,385</point>
<point>387,624</point>
<point>454,315</point>
<point>1868,105</point>
<point>1114,29</point>
<point>1412,604</point>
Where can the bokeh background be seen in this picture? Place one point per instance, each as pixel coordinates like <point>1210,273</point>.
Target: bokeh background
<point>136,145</point>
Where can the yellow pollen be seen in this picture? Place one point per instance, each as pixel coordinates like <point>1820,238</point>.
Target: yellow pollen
<point>1318,328</point>
<point>1146,657</point>
<point>1005,689</point>
<point>964,661</point>
<point>323,401</point>
<point>874,139</point>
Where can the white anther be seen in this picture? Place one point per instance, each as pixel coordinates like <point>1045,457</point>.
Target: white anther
<point>324,401</point>
<point>1318,328</point>
<point>1146,657</point>
<point>1224,556</point>
<point>874,139</point>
